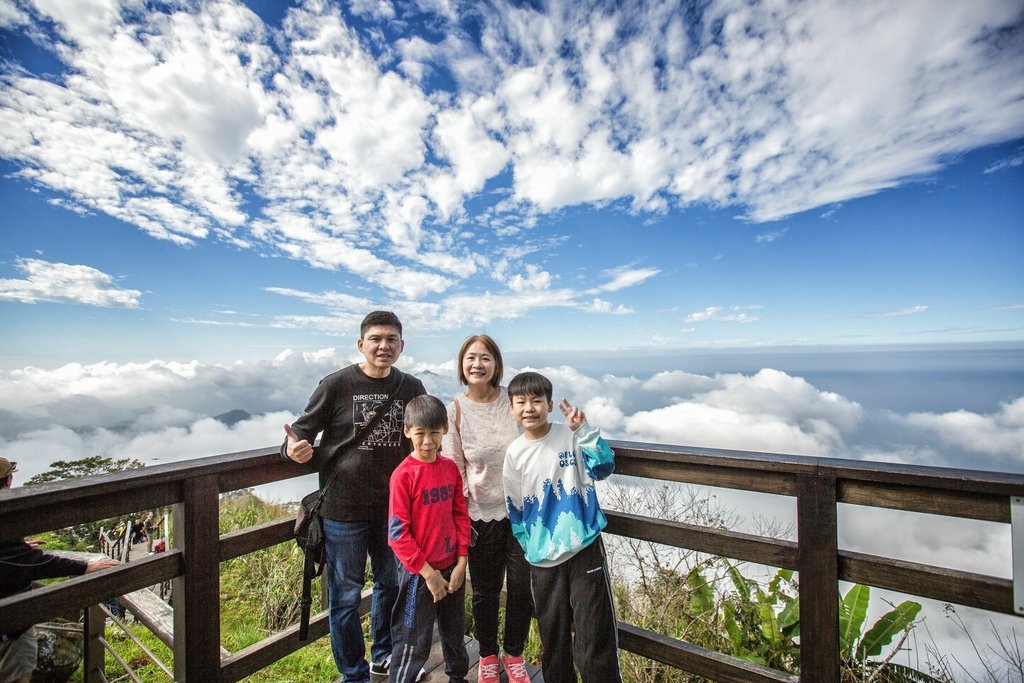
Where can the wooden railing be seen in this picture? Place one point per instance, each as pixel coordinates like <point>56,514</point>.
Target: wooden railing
<point>817,484</point>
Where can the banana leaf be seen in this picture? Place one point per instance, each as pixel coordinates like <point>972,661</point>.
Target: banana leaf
<point>702,598</point>
<point>739,581</point>
<point>852,610</point>
<point>769,624</point>
<point>733,628</point>
<point>888,626</point>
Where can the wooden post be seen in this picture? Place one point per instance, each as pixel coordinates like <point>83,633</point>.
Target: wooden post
<point>818,564</point>
<point>126,542</point>
<point>197,591</point>
<point>93,664</point>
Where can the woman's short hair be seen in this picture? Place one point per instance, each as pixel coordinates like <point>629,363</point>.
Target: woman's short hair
<point>492,348</point>
<point>426,411</point>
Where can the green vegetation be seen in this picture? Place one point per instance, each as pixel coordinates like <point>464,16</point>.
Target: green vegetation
<point>710,602</point>
<point>82,536</point>
<point>260,595</point>
<point>84,467</point>
<point>858,648</point>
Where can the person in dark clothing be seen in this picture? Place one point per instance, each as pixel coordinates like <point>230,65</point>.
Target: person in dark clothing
<point>21,563</point>
<point>355,506</point>
<point>138,531</point>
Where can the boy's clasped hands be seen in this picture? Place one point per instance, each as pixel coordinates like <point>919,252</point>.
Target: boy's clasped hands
<point>439,587</point>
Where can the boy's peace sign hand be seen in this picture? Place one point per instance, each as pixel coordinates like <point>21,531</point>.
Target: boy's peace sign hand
<point>574,415</point>
<point>298,450</point>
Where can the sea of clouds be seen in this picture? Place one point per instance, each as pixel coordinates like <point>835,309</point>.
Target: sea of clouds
<point>160,412</point>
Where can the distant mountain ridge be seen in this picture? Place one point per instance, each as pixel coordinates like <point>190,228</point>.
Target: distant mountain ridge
<point>232,417</point>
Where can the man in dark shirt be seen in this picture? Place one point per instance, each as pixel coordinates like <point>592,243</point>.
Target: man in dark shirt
<point>21,563</point>
<point>356,504</point>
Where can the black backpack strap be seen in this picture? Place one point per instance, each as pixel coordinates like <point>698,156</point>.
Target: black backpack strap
<point>367,428</point>
<point>307,596</point>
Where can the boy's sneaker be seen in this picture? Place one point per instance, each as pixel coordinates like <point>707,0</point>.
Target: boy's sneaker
<point>382,668</point>
<point>515,668</point>
<point>490,669</point>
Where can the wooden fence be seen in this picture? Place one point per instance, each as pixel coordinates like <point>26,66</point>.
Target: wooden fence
<point>817,484</point>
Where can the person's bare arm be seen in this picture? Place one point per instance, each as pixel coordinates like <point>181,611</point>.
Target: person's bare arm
<point>100,563</point>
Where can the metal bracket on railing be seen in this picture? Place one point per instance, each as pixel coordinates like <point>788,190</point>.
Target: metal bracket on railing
<point>1017,543</point>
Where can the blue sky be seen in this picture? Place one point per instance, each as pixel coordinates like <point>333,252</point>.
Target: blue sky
<point>220,180</point>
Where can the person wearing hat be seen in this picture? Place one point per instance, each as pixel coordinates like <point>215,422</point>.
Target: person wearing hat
<point>21,563</point>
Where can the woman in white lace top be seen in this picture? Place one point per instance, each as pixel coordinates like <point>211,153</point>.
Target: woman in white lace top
<point>480,428</point>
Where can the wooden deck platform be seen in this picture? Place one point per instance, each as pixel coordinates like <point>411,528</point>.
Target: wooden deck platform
<point>435,665</point>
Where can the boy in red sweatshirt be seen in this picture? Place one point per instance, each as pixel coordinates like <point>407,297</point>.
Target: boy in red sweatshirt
<point>428,529</point>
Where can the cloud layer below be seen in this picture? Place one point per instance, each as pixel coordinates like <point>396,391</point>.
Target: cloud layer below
<point>160,412</point>
<point>105,407</point>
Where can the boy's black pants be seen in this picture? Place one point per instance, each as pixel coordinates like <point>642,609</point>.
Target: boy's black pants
<point>412,628</point>
<point>577,594</point>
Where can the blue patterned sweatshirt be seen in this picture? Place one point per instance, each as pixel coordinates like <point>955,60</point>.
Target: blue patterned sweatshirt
<point>550,494</point>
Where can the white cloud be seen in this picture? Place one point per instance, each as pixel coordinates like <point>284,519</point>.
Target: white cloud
<point>11,15</point>
<point>694,424</point>
<point>535,279</point>
<point>719,314</point>
<point>999,435</point>
<point>527,291</point>
<point>602,306</point>
<point>66,284</point>
<point>623,277</point>
<point>108,395</point>
<point>898,313</point>
<point>378,9</point>
<point>737,110</point>
<point>1009,162</point>
<point>770,411</point>
<point>769,237</point>
<point>331,300</point>
<point>160,445</point>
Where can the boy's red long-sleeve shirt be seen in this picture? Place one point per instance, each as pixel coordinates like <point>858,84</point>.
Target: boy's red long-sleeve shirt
<point>427,516</point>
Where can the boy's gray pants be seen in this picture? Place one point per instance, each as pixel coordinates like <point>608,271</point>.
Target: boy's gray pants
<point>577,594</point>
<point>412,628</point>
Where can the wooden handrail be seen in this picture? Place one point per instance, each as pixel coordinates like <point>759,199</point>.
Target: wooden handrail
<point>818,484</point>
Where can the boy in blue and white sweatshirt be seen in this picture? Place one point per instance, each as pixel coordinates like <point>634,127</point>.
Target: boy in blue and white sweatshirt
<point>549,475</point>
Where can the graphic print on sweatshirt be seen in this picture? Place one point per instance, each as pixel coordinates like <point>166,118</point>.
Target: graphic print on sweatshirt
<point>559,520</point>
<point>388,432</point>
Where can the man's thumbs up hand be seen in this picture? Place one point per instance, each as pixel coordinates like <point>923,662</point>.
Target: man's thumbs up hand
<point>298,450</point>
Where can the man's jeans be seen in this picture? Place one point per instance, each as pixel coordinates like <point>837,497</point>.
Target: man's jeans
<point>347,545</point>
